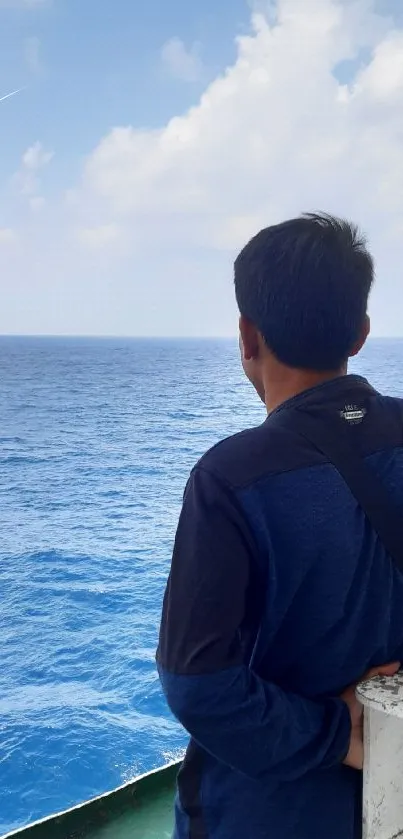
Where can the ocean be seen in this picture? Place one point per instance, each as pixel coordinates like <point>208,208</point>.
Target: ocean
<point>97,438</point>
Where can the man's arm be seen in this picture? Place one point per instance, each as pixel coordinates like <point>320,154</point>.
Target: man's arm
<point>243,721</point>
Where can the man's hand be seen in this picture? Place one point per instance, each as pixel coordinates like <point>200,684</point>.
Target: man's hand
<point>355,756</point>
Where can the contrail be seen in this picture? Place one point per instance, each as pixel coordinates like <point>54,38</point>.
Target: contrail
<point>13,92</point>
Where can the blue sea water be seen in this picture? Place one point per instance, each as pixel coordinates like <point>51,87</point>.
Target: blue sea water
<point>97,438</point>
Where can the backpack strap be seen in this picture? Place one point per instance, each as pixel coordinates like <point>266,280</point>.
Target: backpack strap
<point>331,438</point>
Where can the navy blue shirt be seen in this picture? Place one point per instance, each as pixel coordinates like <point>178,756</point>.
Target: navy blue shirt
<point>280,595</point>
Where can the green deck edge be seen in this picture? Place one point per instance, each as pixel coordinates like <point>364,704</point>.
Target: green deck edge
<point>126,805</point>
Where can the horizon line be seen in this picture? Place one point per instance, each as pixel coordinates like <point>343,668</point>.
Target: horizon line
<point>114,337</point>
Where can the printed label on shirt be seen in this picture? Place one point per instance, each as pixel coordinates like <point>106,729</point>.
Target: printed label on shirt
<point>353,414</point>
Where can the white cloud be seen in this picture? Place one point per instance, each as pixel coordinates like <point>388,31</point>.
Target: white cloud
<point>275,134</point>
<point>99,237</point>
<point>36,157</point>
<point>27,179</point>
<point>383,78</point>
<point>7,236</point>
<point>32,51</point>
<point>37,203</point>
<point>180,62</point>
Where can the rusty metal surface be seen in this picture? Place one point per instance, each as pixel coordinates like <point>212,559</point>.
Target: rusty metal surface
<point>384,694</point>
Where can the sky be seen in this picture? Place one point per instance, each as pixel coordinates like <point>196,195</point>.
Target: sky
<point>152,139</point>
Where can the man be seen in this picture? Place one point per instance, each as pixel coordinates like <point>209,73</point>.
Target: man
<point>281,594</point>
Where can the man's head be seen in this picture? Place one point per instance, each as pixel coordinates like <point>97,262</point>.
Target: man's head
<point>302,289</point>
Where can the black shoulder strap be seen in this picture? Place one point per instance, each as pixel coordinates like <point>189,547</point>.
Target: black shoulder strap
<point>369,491</point>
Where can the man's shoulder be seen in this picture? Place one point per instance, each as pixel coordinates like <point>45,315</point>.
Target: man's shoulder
<point>256,453</point>
<point>274,448</point>
<point>394,403</point>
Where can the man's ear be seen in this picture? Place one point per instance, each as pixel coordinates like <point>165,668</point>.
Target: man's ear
<point>249,339</point>
<point>366,329</point>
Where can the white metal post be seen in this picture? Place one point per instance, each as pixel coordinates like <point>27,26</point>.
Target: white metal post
<point>383,757</point>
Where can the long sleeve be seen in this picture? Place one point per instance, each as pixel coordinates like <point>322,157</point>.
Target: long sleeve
<point>245,722</point>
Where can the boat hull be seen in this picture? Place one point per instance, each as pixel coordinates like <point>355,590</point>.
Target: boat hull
<point>141,809</point>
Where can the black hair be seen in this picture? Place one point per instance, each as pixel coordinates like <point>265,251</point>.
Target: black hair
<point>305,284</point>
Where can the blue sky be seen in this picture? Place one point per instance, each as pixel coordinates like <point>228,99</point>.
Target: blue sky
<point>99,65</point>
<point>153,138</point>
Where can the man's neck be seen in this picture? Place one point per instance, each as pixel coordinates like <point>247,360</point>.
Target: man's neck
<point>283,383</point>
